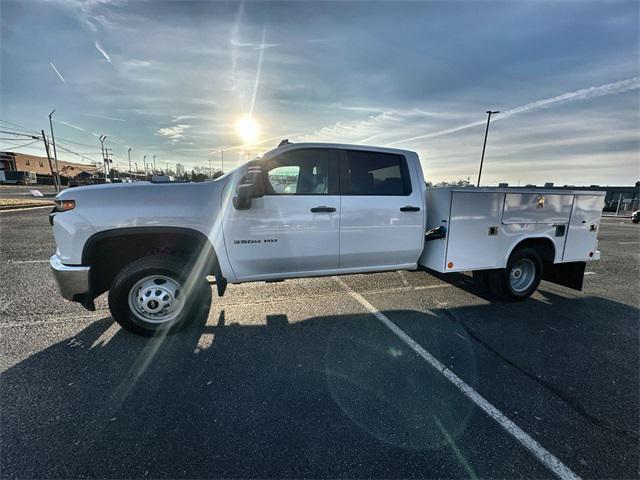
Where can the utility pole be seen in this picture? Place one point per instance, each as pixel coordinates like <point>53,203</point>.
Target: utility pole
<point>46,147</point>
<point>53,141</point>
<point>484,145</point>
<point>129,154</point>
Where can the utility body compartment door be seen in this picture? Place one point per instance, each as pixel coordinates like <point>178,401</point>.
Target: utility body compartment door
<point>582,235</point>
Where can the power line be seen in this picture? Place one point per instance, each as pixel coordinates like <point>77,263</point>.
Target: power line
<point>25,145</point>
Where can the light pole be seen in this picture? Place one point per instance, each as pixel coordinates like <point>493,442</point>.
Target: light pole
<point>55,153</point>
<point>484,145</point>
<point>104,160</point>
<point>129,154</point>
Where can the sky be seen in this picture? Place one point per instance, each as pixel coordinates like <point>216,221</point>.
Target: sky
<point>172,79</point>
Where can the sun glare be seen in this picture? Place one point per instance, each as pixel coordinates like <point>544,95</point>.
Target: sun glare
<point>247,129</point>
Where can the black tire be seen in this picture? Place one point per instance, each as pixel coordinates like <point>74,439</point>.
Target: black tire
<point>501,283</point>
<point>195,302</point>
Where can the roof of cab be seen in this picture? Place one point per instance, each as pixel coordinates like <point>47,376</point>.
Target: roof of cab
<point>285,147</point>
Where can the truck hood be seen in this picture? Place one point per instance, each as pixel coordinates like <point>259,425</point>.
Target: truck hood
<point>122,205</point>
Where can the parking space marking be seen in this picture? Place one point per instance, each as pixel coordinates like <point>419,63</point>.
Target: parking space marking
<point>543,455</point>
<point>629,243</point>
<point>28,261</point>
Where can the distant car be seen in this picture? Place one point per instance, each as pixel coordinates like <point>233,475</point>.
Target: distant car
<point>635,216</point>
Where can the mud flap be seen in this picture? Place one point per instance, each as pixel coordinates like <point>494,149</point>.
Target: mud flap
<point>569,274</point>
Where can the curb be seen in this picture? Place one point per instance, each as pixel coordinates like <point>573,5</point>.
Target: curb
<point>9,208</point>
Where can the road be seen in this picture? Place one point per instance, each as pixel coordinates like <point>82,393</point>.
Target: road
<point>305,379</point>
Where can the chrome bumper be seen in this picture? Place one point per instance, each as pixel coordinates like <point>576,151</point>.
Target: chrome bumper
<point>73,281</point>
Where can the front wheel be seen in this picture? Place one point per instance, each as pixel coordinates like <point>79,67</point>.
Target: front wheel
<point>159,293</point>
<point>521,277</point>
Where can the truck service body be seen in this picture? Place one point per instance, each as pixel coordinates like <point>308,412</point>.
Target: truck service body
<point>305,210</point>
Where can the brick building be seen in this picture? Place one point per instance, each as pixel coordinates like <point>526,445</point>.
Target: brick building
<point>40,165</point>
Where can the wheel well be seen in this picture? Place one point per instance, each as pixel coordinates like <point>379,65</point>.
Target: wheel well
<point>544,247</point>
<point>108,252</point>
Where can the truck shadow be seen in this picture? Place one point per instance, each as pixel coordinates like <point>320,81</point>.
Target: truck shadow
<point>333,396</point>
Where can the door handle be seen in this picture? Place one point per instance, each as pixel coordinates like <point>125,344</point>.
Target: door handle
<point>410,209</point>
<point>323,209</point>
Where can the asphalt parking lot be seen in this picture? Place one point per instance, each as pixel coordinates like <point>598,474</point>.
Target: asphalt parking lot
<point>303,379</point>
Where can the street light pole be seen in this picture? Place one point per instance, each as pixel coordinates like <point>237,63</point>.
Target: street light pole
<point>104,160</point>
<point>484,145</point>
<point>55,153</point>
<point>129,154</point>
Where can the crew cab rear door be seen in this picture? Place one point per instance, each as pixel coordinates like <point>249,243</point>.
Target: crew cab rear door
<point>382,221</point>
<point>293,230</point>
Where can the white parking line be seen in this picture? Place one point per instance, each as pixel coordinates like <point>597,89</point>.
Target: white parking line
<point>545,457</point>
<point>29,261</point>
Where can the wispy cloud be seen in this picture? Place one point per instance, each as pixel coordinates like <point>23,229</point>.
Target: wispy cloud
<point>58,73</point>
<point>71,125</point>
<point>582,94</point>
<point>104,117</point>
<point>102,51</point>
<point>173,133</point>
<point>256,46</point>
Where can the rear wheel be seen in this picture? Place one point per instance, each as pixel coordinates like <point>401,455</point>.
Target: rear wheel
<point>160,293</point>
<point>521,277</point>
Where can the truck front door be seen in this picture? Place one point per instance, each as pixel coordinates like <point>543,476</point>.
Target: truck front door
<point>382,223</point>
<point>293,230</point>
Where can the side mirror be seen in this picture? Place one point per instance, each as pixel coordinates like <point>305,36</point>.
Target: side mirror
<point>252,186</point>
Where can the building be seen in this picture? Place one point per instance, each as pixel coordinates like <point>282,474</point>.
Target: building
<point>40,165</point>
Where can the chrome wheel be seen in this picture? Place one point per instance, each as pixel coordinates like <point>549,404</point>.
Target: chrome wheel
<point>522,275</point>
<point>156,299</point>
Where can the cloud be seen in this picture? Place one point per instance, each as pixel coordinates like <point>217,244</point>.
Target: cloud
<point>104,117</point>
<point>104,54</point>
<point>174,133</point>
<point>69,125</point>
<point>58,73</point>
<point>256,46</point>
<point>582,94</point>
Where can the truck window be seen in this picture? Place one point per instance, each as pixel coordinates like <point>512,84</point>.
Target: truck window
<point>299,172</point>
<point>373,173</point>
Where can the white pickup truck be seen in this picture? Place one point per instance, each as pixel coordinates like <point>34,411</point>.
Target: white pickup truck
<point>306,210</point>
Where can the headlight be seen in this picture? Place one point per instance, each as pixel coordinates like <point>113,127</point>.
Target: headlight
<point>65,205</point>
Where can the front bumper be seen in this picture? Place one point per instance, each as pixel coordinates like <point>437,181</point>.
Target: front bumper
<point>73,281</point>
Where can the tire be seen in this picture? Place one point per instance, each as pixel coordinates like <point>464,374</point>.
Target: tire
<point>520,279</point>
<point>159,294</point>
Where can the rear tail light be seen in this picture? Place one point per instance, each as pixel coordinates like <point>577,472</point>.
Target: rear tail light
<point>65,205</point>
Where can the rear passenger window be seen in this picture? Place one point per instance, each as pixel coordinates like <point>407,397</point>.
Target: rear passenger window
<point>373,173</point>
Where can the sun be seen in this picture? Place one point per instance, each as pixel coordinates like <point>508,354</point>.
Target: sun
<point>247,129</point>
